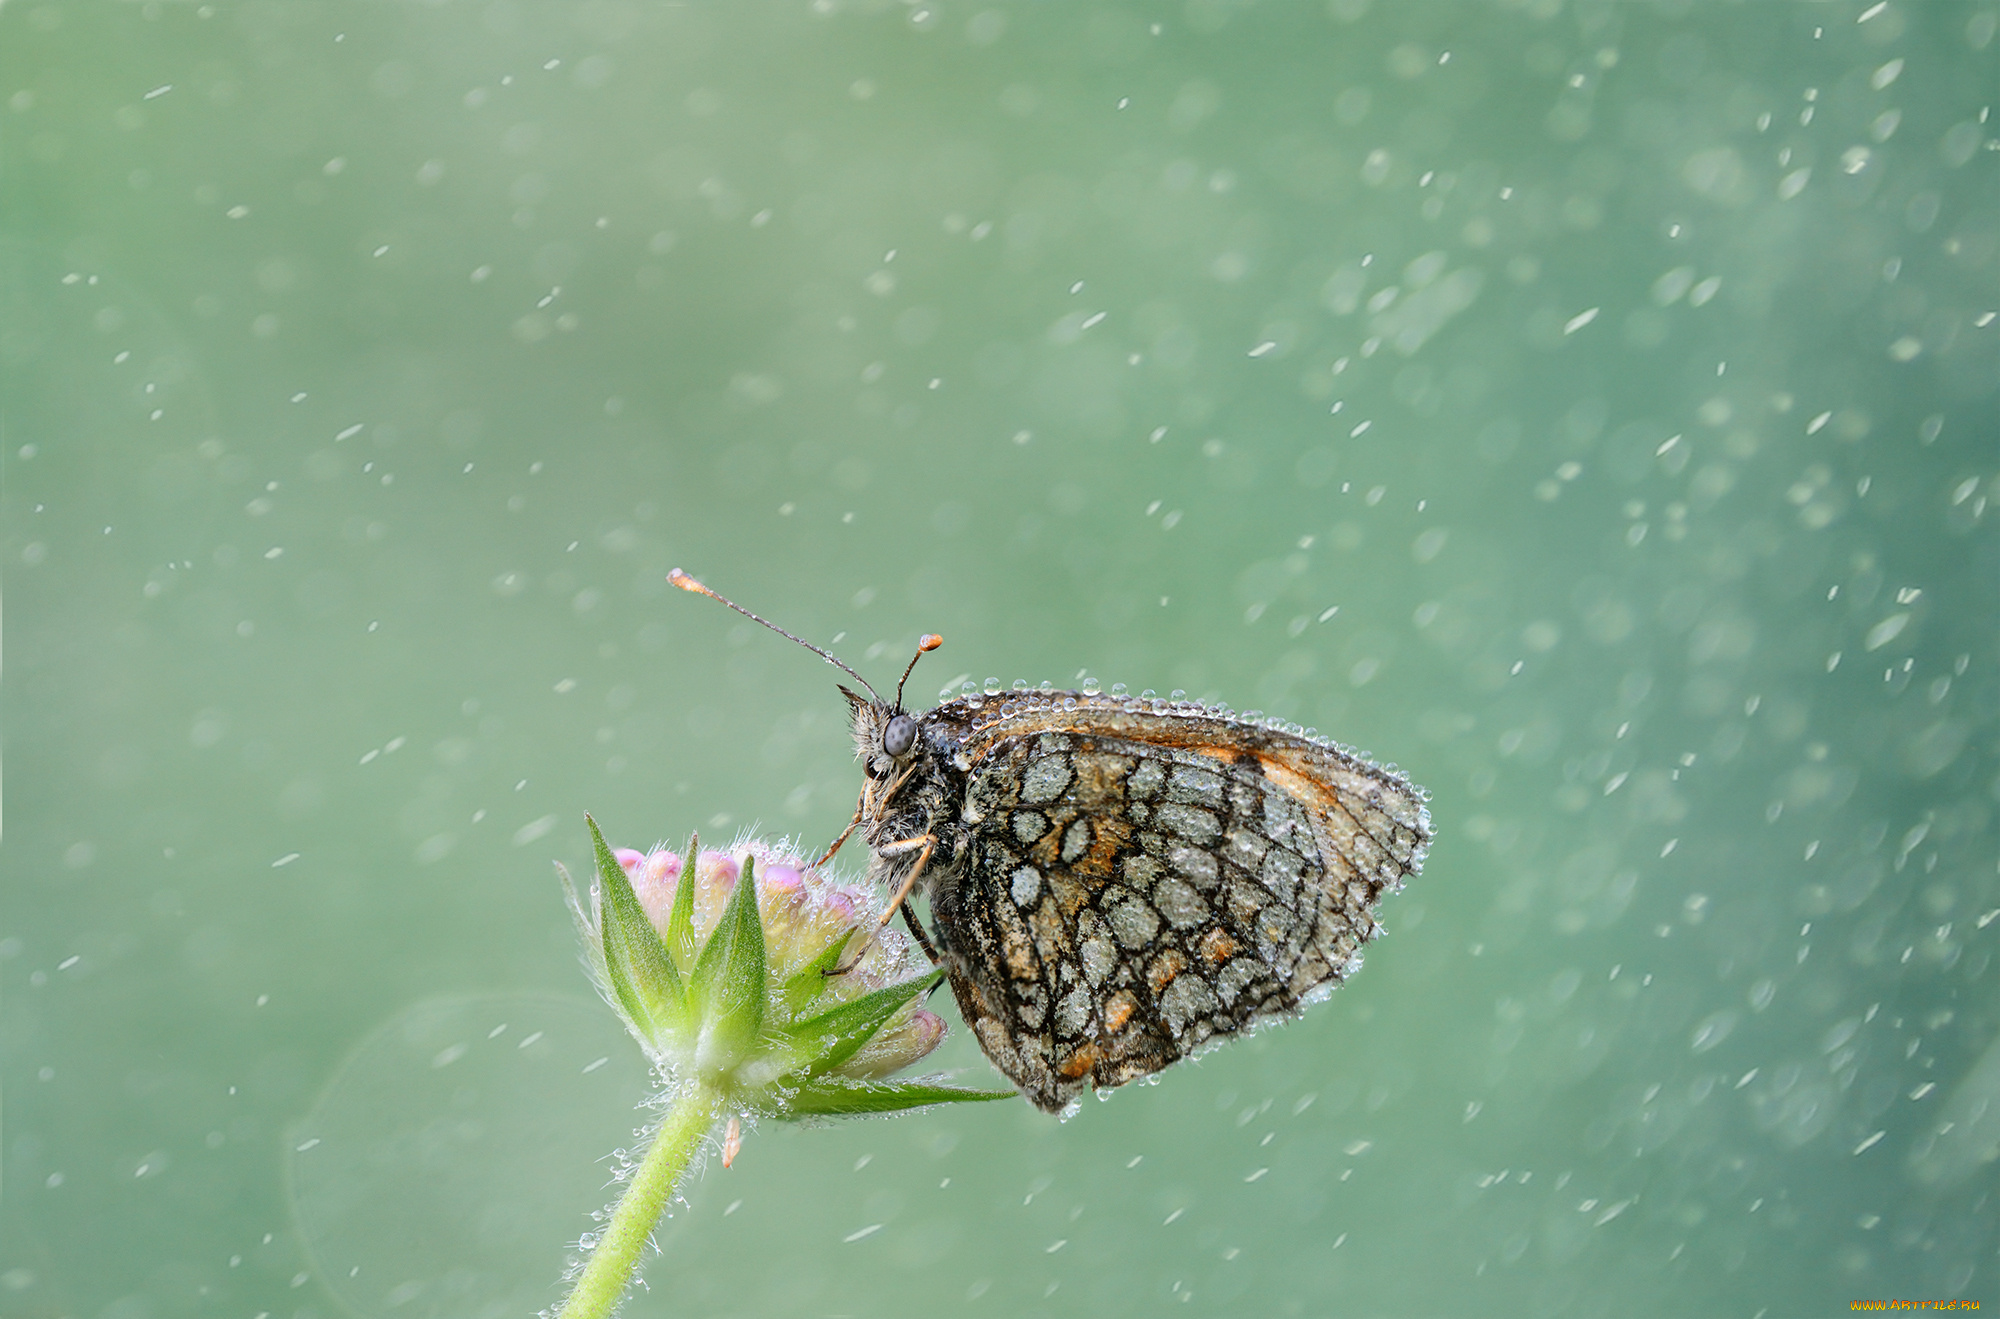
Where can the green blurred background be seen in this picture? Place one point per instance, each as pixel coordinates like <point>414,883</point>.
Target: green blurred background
<point>1588,406</point>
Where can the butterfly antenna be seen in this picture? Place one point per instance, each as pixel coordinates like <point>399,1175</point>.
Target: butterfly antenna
<point>687,583</point>
<point>926,643</point>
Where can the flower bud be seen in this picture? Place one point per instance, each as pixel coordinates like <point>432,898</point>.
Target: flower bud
<point>787,996</point>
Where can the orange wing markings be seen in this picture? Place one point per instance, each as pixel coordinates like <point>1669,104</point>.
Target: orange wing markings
<point>1165,968</point>
<point>1367,825</point>
<point>1108,842</point>
<point>1099,792</point>
<point>1303,788</point>
<point>1046,851</point>
<point>1315,772</point>
<point>1323,804</point>
<point>1345,814</point>
<point>1086,720</point>
<point>1100,775</point>
<point>1050,928</point>
<point>1079,1064</point>
<point>1016,943</point>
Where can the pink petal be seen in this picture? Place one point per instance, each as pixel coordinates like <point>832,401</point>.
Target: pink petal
<point>720,869</point>
<point>927,1028</point>
<point>781,881</point>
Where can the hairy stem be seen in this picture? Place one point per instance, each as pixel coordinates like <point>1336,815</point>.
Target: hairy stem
<point>616,1256</point>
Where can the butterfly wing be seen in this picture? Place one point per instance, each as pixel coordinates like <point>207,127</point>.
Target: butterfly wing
<point>1140,882</point>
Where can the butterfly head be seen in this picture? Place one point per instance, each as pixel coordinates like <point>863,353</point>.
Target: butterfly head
<point>886,736</point>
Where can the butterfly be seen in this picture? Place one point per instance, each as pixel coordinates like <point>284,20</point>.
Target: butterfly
<point>1115,882</point>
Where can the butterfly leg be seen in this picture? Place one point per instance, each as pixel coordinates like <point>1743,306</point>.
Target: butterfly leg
<point>860,809</point>
<point>928,843</point>
<point>834,846</point>
<point>868,804</point>
<point>895,787</point>
<point>917,928</point>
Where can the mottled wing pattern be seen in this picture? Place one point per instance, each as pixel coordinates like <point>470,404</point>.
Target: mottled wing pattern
<point>1143,879</point>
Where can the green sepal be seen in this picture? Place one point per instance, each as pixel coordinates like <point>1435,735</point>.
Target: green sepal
<point>833,1037</point>
<point>680,924</point>
<point>834,1097</point>
<point>727,987</point>
<point>642,976</point>
<point>809,982</point>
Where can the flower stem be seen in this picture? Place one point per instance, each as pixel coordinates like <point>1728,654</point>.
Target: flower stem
<point>616,1255</point>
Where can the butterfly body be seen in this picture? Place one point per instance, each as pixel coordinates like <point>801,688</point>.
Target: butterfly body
<point>1116,882</point>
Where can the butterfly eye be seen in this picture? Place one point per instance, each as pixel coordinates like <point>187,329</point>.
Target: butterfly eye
<point>900,736</point>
